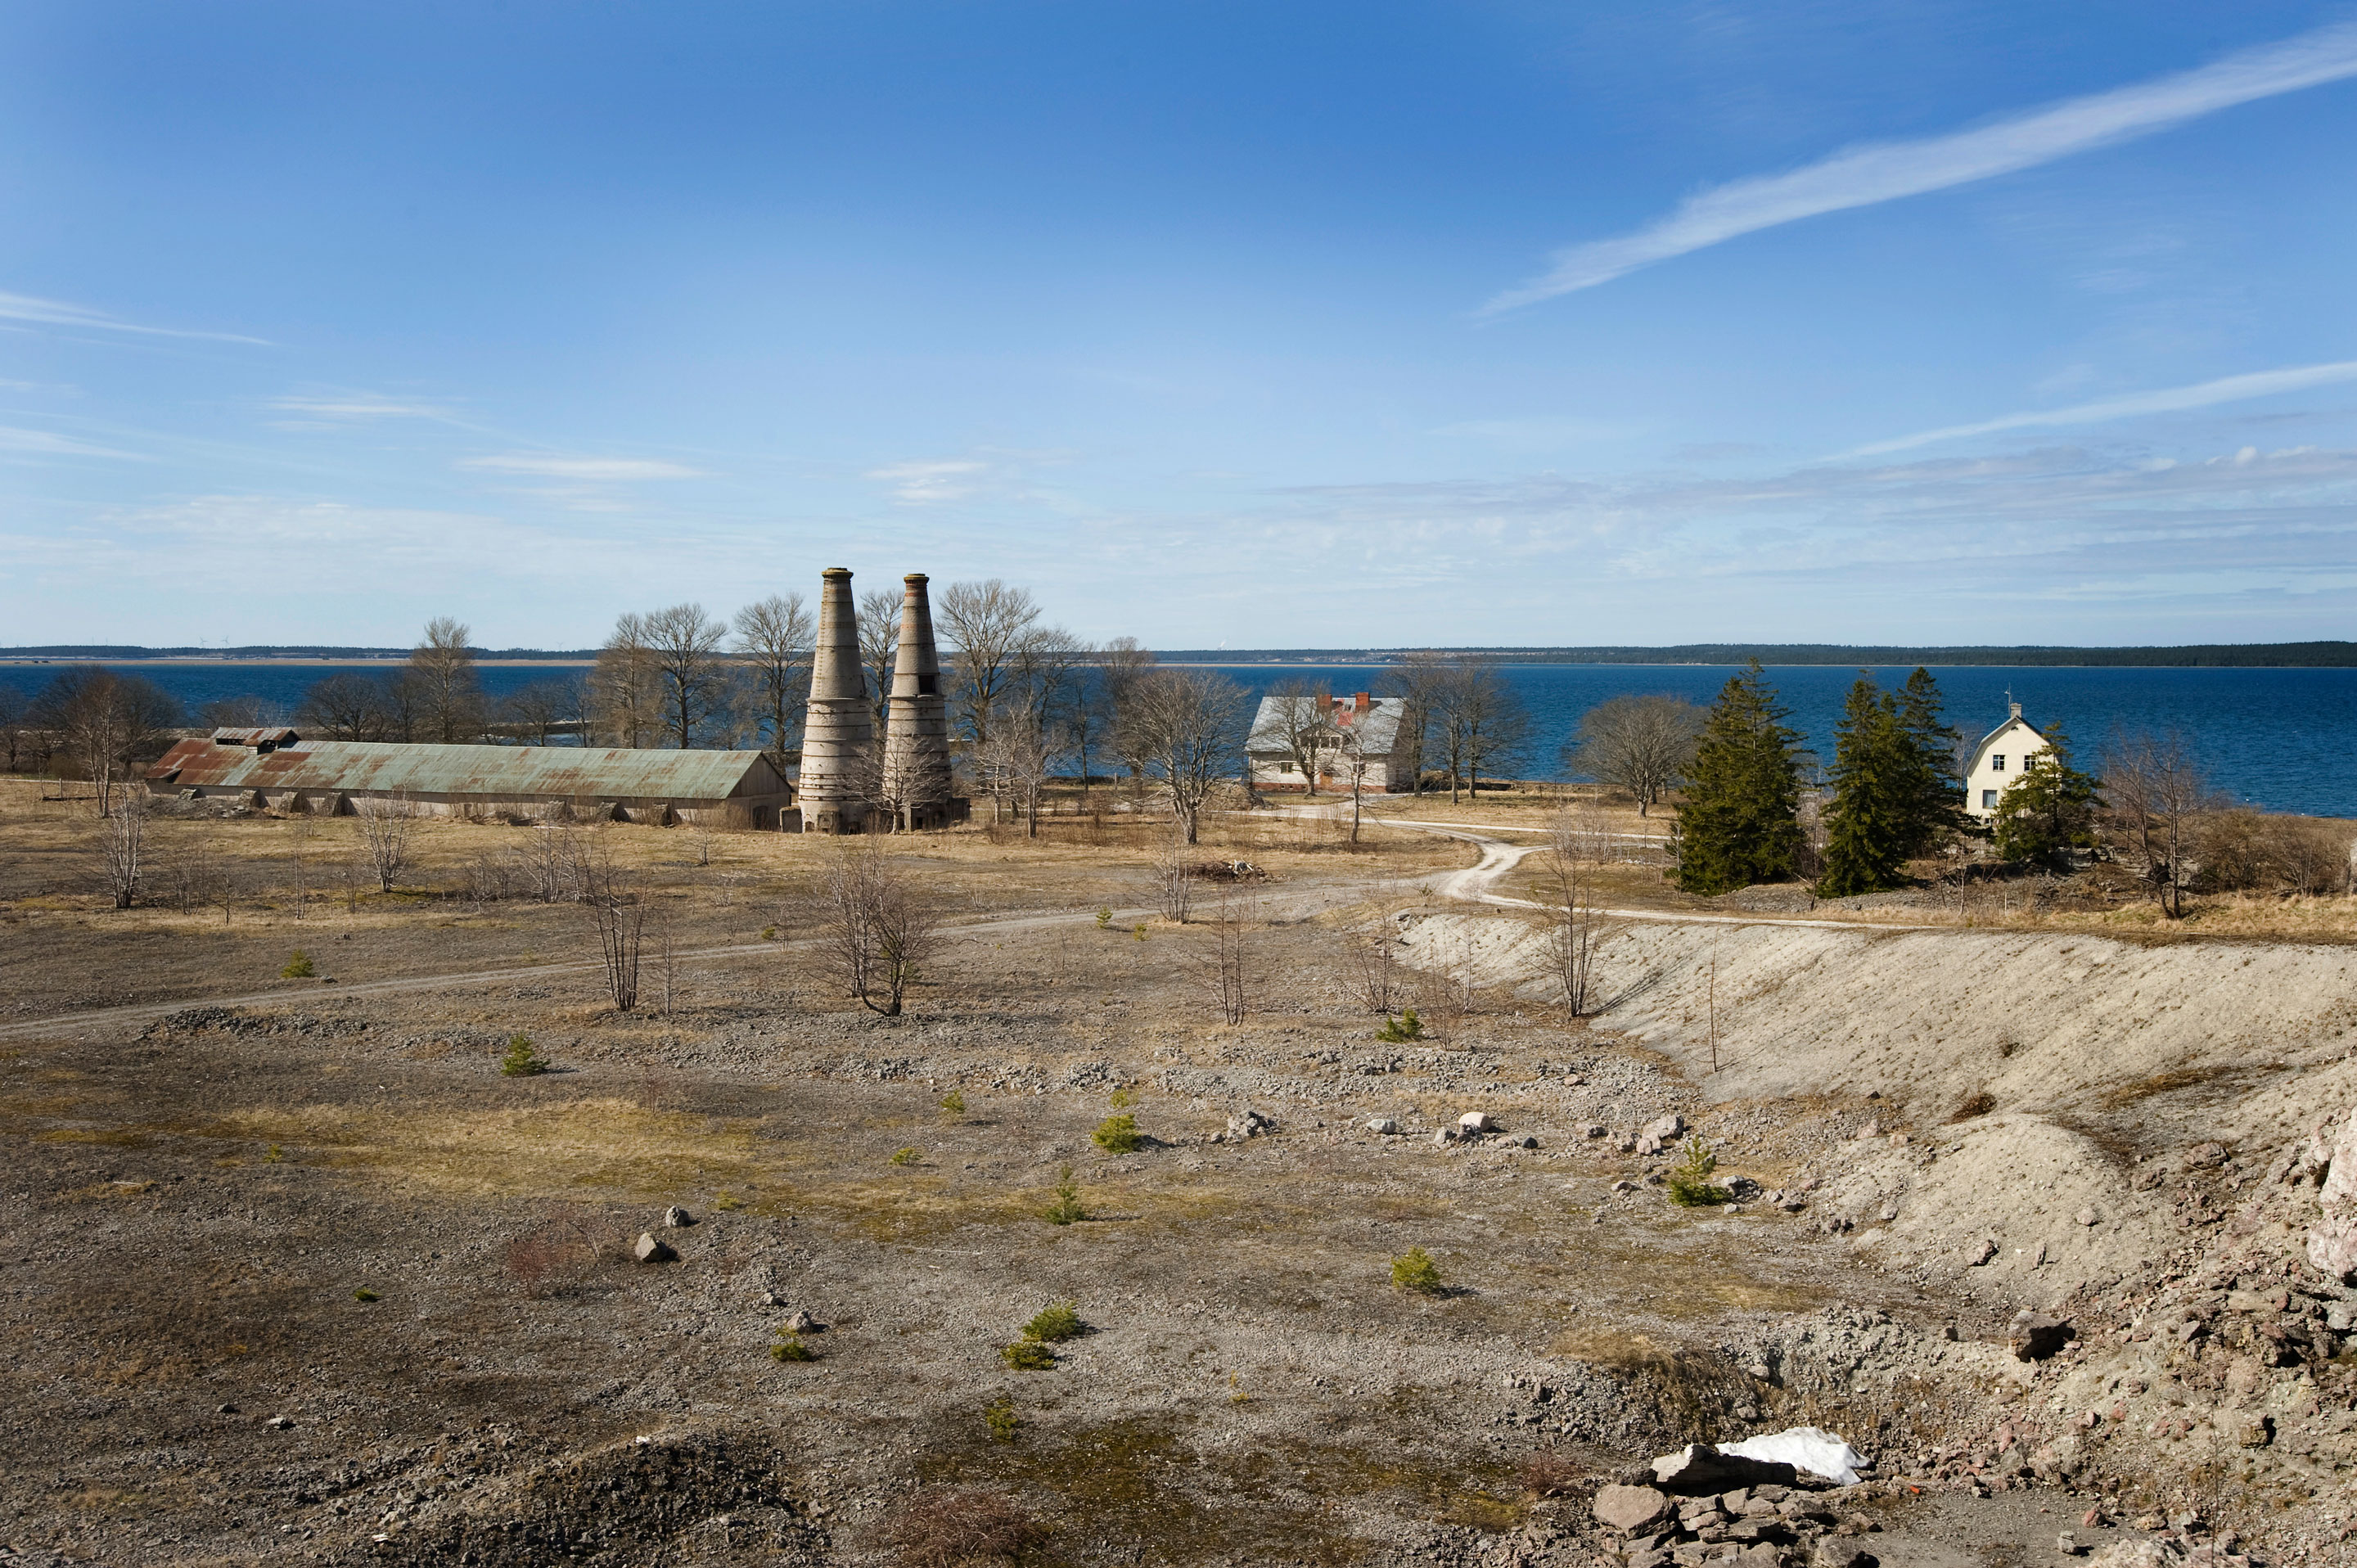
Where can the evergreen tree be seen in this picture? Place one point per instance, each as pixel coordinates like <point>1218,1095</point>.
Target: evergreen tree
<point>2049,811</point>
<point>1740,822</point>
<point>1936,793</point>
<point>1869,818</point>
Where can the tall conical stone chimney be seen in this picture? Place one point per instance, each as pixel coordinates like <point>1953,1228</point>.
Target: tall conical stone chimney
<point>916,735</point>
<point>839,734</point>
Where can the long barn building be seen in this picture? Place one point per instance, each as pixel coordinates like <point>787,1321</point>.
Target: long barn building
<point>277,769</point>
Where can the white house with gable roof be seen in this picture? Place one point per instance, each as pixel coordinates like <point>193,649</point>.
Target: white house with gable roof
<point>1998,760</point>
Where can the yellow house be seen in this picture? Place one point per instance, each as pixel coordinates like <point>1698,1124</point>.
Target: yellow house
<point>1998,760</point>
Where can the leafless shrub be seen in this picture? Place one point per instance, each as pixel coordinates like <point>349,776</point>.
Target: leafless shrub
<point>1171,879</point>
<point>700,834</point>
<point>557,1253</point>
<point>1548,1474</point>
<point>488,877</point>
<point>2245,849</point>
<point>1371,956</point>
<point>2155,799</point>
<point>1444,989</point>
<point>877,927</point>
<point>548,863</point>
<point>1579,845</point>
<point>965,1529</point>
<point>618,908</point>
<point>385,829</point>
<point>1224,966</point>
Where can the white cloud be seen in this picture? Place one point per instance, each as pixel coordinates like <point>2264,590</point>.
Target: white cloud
<point>56,313</point>
<point>1865,176</point>
<point>925,482</point>
<point>2169,400</point>
<point>353,406</point>
<point>43,443</point>
<point>589,469</point>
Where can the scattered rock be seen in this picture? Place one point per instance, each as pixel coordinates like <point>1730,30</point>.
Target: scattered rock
<point>2137,1554</point>
<point>2087,1216</point>
<point>279,1423</point>
<point>1383,1124</point>
<point>2034,1337</point>
<point>1662,1128</point>
<point>1631,1509</point>
<point>676,1218</point>
<point>1443,1135</point>
<point>1832,1553</point>
<point>803,1323</point>
<point>1249,1124</point>
<point>1742,1189</point>
<point>1476,1121</point>
<point>649,1250</point>
<point>1593,1130</point>
<point>1980,1254</point>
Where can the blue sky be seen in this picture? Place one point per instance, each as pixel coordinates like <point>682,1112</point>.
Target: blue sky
<point>1245,324</point>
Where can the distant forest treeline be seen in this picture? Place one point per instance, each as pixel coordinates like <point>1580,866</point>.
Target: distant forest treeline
<point>2217,655</point>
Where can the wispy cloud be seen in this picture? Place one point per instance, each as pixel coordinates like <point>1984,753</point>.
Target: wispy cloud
<point>945,480</point>
<point>1865,176</point>
<point>56,313</point>
<point>592,470</point>
<point>2169,400</point>
<point>42,443</point>
<point>351,407</point>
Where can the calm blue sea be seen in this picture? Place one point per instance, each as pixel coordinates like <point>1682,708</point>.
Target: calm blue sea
<point>2285,739</point>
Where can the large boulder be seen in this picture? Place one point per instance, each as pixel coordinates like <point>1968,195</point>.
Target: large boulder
<point>1631,1509</point>
<point>2034,1337</point>
<point>2332,1240</point>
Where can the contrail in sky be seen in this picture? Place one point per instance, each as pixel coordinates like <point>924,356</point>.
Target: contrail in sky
<point>1865,176</point>
<point>2226,389</point>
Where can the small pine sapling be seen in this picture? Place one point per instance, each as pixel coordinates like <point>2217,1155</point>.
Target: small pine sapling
<point>1415,1270</point>
<point>1056,1323</point>
<point>1124,1098</point>
<point>952,1104</point>
<point>907,1156</point>
<point>298,967</point>
<point>1398,1031</point>
<point>790,1348</point>
<point>1028,1356</point>
<point>1690,1183</point>
<point>364,1294</point>
<point>1117,1135</point>
<point>1067,1207</point>
<point>1139,929</point>
<point>1105,916</point>
<point>999,1416</point>
<point>521,1060</point>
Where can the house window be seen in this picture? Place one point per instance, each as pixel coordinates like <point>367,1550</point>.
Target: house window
<point>1988,800</point>
<point>1996,763</point>
<point>1285,767</point>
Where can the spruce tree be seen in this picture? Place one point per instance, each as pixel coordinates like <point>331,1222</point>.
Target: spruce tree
<point>1740,820</point>
<point>2049,811</point>
<point>1936,793</point>
<point>1868,819</point>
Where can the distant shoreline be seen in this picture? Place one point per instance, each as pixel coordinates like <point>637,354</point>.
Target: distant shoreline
<point>2320,655</point>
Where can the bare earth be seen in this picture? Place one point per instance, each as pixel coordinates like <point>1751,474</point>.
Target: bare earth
<point>300,1277</point>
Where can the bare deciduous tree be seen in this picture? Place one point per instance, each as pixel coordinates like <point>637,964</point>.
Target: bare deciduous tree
<point>1644,745</point>
<point>1419,676</point>
<point>683,645</point>
<point>343,706</point>
<point>442,674</point>
<point>1122,664</point>
<point>121,843</point>
<point>535,711</point>
<point>1170,878</point>
<point>1579,845</point>
<point>877,929</point>
<point>1479,721</point>
<point>107,723</point>
<point>879,644</point>
<point>1293,718</point>
<point>2156,795</point>
<point>618,908</point>
<point>625,687</point>
<point>773,638</point>
<point>1018,760</point>
<point>1184,726</point>
<point>985,623</point>
<point>385,828</point>
<point>1372,954</point>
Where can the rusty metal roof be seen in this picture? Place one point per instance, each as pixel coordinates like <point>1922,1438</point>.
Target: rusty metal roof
<point>494,771</point>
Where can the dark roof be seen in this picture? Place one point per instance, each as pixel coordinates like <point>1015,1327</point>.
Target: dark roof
<point>500,772</point>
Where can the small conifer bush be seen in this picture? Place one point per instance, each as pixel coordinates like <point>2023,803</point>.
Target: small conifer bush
<point>769,933</point>
<point>272,1154</point>
<point>1690,1183</point>
<point>298,967</point>
<point>1415,1270</point>
<point>521,1060</point>
<point>1406,1026</point>
<point>1139,929</point>
<point>953,1103</point>
<point>1105,916</point>
<point>364,1294</point>
<point>999,1416</point>
<point>1028,1356</point>
<point>1117,1135</point>
<point>1067,1207</point>
<point>790,1348</point>
<point>1056,1323</point>
<point>907,1156</point>
<point>1124,1098</point>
